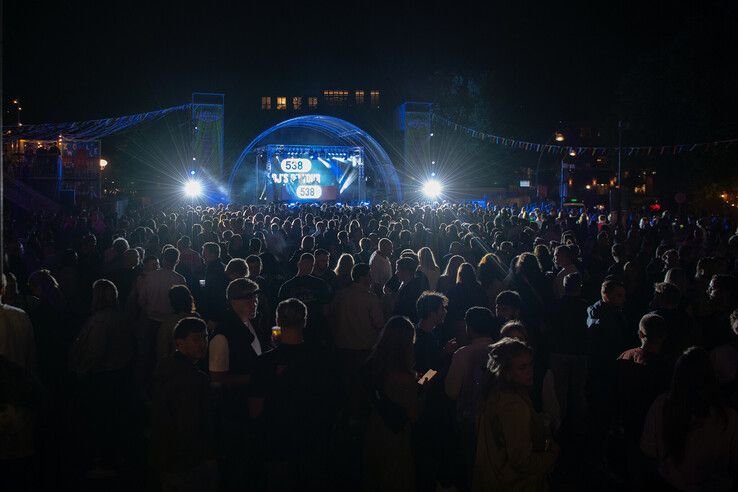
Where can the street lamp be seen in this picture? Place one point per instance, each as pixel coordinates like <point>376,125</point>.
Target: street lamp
<point>559,137</point>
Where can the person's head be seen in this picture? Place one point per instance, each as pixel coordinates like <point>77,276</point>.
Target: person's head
<point>694,394</point>
<point>308,243</point>
<point>322,259</point>
<point>191,338</point>
<point>254,264</point>
<point>183,243</point>
<point>385,247</point>
<point>562,256</point>
<point>406,267</point>
<point>104,295</point>
<point>169,258</point>
<point>508,305</point>
<point>466,275</point>
<point>305,264</point>
<point>480,322</point>
<point>613,292</point>
<point>573,284</point>
<point>666,296</point>
<point>361,274</point>
<point>345,265</point>
<point>452,268</point>
<point>511,364</point>
<point>722,291</point>
<point>426,258</point>
<point>291,314</point>
<point>652,330</point>
<point>678,277</point>
<point>393,352</point>
<point>181,299</point>
<point>618,252</point>
<point>120,245</point>
<point>43,285</point>
<point>210,252</point>
<point>514,329</point>
<point>243,295</point>
<point>670,258</point>
<point>130,258</point>
<point>365,244</point>
<point>432,307</point>
<point>237,268</point>
<point>455,248</point>
<point>734,322</point>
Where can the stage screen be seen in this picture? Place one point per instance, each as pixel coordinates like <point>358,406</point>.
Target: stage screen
<point>303,178</point>
<point>313,173</point>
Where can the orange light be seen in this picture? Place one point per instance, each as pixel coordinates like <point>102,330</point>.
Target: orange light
<point>559,137</point>
<point>572,152</point>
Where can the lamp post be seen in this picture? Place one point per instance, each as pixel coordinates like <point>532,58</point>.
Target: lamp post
<point>559,137</point>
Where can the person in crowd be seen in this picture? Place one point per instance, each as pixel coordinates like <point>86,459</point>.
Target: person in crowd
<point>393,386</point>
<point>429,267</point>
<point>413,284</point>
<point>183,305</point>
<point>321,268</point>
<point>182,418</point>
<point>681,331</point>
<point>450,274</point>
<point>343,271</point>
<point>17,343</point>
<point>316,295</point>
<point>690,433</point>
<point>491,275</point>
<point>380,264</point>
<point>565,264</point>
<point>467,293</point>
<point>215,282</point>
<point>101,358</point>
<point>288,380</point>
<point>724,359</point>
<point>515,449</point>
<point>508,306</point>
<point>567,343</point>
<point>233,350</point>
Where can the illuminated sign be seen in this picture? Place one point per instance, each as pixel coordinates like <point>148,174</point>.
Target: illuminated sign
<point>293,165</point>
<point>309,191</point>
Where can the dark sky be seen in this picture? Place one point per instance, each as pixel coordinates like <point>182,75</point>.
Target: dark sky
<point>70,61</point>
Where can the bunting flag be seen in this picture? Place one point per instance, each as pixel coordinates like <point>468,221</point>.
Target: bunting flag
<point>646,150</point>
<point>88,130</point>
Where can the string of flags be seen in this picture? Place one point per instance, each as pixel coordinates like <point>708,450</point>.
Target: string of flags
<point>92,129</point>
<point>643,150</point>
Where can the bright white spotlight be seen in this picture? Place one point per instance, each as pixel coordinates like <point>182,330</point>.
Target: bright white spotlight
<point>432,188</point>
<point>193,188</point>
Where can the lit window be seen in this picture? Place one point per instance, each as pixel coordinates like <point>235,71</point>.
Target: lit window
<point>266,103</point>
<point>312,102</point>
<point>297,103</point>
<point>334,97</point>
<point>359,98</point>
<point>281,103</point>
<point>374,98</point>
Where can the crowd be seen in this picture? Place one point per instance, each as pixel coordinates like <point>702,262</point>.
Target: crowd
<point>386,347</point>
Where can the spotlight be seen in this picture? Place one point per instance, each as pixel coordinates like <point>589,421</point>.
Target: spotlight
<point>193,188</point>
<point>432,188</point>
<point>192,172</point>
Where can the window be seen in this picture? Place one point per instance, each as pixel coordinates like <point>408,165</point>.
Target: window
<point>374,98</point>
<point>312,102</point>
<point>266,103</point>
<point>281,103</point>
<point>359,98</point>
<point>335,98</point>
<point>297,103</point>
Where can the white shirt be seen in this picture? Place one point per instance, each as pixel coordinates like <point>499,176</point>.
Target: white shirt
<point>154,294</point>
<point>218,351</point>
<point>380,268</point>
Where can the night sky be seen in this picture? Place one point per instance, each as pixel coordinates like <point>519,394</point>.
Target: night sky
<point>550,61</point>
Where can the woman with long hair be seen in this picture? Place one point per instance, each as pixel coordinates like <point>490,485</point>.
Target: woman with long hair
<point>465,294</point>
<point>343,271</point>
<point>388,452</point>
<point>492,276</point>
<point>690,432</point>
<point>448,279</point>
<point>429,267</point>
<point>515,450</point>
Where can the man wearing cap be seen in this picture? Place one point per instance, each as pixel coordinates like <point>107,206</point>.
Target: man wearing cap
<point>233,351</point>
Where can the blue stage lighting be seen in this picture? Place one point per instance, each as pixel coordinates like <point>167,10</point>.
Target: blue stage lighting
<point>192,172</point>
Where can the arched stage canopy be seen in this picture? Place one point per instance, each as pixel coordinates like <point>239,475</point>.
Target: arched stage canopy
<point>378,163</point>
